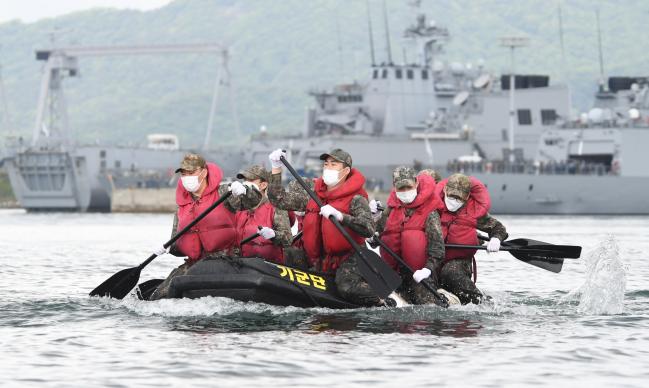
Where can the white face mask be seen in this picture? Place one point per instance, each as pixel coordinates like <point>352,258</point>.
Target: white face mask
<point>191,182</point>
<point>330,177</point>
<point>407,196</point>
<point>452,204</point>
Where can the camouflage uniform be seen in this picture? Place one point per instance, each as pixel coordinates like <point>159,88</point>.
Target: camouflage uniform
<point>281,224</point>
<point>412,291</point>
<point>455,275</point>
<point>191,162</point>
<point>349,283</point>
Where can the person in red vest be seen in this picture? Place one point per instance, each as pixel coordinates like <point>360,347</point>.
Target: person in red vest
<point>410,227</point>
<point>275,232</point>
<point>341,190</point>
<point>215,235</point>
<point>465,210</point>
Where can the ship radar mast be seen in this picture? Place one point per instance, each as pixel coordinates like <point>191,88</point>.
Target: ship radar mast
<point>427,37</point>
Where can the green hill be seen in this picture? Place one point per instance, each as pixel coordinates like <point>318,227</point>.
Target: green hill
<point>280,49</point>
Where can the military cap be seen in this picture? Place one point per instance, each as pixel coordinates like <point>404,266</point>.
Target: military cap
<point>429,171</point>
<point>339,155</point>
<point>254,172</point>
<point>403,176</point>
<point>191,162</point>
<point>458,185</point>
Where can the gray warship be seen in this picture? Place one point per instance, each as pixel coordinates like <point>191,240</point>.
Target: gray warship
<point>534,157</point>
<point>450,116</point>
<point>52,172</point>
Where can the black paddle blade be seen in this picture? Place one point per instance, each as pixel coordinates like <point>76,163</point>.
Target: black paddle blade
<point>551,264</point>
<point>377,273</point>
<point>145,289</point>
<point>118,285</point>
<point>543,249</point>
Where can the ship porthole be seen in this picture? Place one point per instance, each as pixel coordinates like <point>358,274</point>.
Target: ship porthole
<point>530,188</point>
<point>504,187</point>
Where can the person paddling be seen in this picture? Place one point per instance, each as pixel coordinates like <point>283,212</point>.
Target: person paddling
<point>341,191</point>
<point>465,208</point>
<point>275,232</point>
<point>215,235</point>
<point>410,227</point>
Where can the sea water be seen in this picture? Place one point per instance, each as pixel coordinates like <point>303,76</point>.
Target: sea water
<point>586,326</point>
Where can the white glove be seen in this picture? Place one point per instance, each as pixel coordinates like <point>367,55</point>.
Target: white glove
<point>237,188</point>
<point>266,233</point>
<point>160,251</point>
<point>328,210</point>
<point>274,158</point>
<point>374,206</point>
<point>421,274</point>
<point>493,245</point>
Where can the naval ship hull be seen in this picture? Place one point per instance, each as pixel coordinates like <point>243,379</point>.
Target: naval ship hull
<point>511,193</point>
<point>83,179</point>
<point>566,194</point>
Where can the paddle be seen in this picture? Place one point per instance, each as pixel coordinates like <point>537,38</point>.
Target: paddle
<point>120,284</point>
<point>440,299</point>
<point>537,253</point>
<point>297,237</point>
<point>251,237</point>
<point>146,289</point>
<point>377,273</point>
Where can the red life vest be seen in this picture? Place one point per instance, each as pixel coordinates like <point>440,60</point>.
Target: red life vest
<point>406,235</point>
<point>460,227</point>
<point>321,237</point>
<point>213,233</point>
<point>300,221</point>
<point>247,222</point>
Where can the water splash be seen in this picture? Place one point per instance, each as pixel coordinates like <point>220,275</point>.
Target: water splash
<point>603,289</point>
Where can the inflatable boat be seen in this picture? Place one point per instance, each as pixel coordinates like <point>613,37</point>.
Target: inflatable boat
<point>253,280</point>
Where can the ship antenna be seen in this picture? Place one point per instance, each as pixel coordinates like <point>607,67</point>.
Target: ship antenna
<point>564,69</point>
<point>369,27</point>
<point>341,66</point>
<point>563,50</point>
<point>387,32</point>
<point>601,55</point>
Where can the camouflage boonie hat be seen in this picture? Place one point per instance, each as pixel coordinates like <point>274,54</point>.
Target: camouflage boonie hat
<point>403,176</point>
<point>191,162</point>
<point>429,171</point>
<point>458,185</point>
<point>254,172</point>
<point>339,155</point>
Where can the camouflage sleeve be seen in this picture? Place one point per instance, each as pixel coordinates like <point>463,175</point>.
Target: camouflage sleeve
<point>282,228</point>
<point>359,218</point>
<point>172,249</point>
<point>380,224</point>
<point>235,203</point>
<point>435,248</point>
<point>294,198</point>
<point>493,227</point>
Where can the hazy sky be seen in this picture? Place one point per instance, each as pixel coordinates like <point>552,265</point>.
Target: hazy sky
<point>32,10</point>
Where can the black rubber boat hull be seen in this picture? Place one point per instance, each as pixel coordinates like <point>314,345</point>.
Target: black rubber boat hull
<point>253,280</point>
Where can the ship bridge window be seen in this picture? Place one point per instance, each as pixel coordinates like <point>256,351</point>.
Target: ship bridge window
<point>424,74</point>
<point>375,74</point>
<point>399,73</point>
<point>350,98</point>
<point>385,73</point>
<point>410,74</point>
<point>102,154</point>
<point>548,116</point>
<point>524,117</point>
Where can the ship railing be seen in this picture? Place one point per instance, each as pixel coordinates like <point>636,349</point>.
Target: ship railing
<point>530,168</point>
